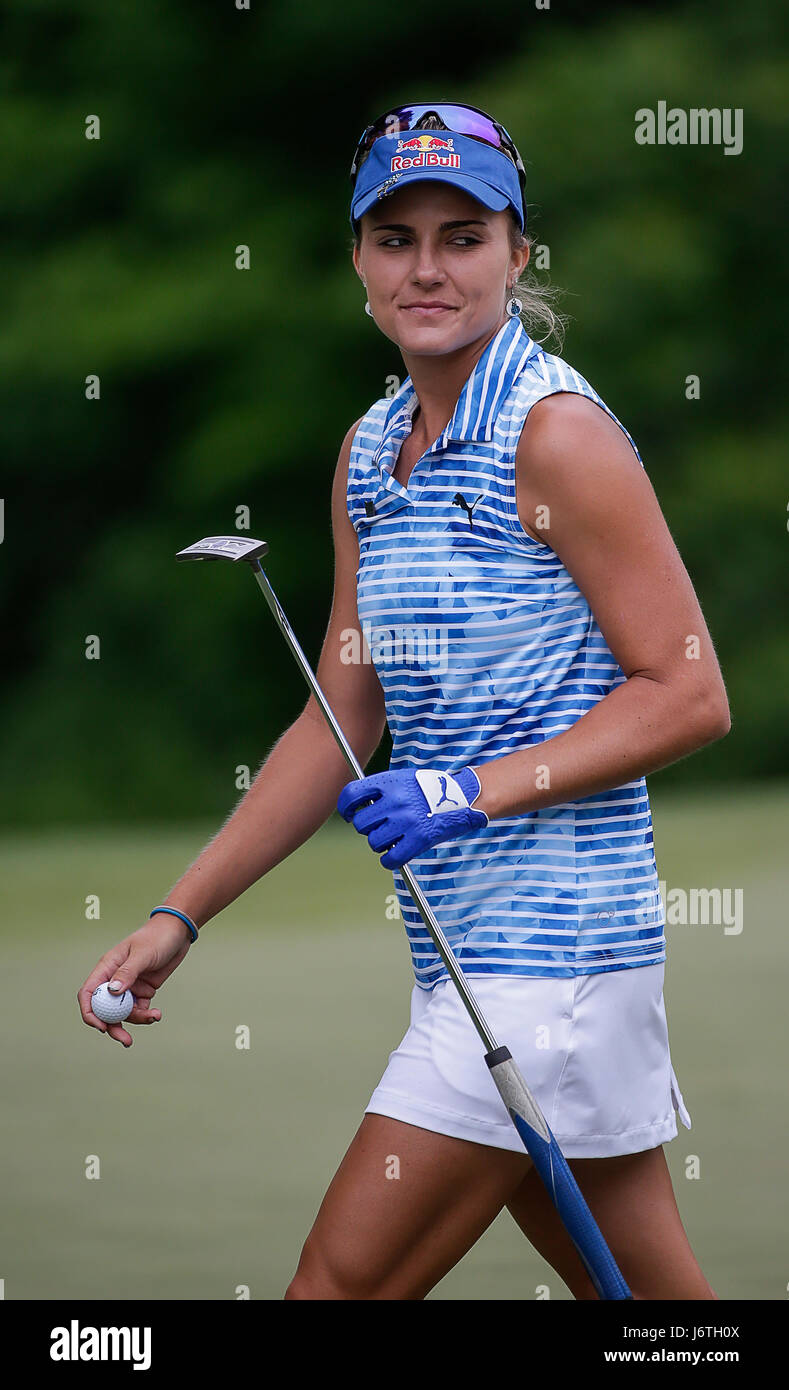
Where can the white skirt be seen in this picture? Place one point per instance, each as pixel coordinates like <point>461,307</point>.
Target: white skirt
<point>592,1049</point>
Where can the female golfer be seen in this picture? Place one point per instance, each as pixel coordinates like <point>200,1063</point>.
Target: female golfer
<point>508,599</point>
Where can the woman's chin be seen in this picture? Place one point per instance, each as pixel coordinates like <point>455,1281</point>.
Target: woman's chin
<point>425,333</point>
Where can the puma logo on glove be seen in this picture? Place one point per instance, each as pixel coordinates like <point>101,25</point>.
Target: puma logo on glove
<point>407,811</point>
<point>434,785</point>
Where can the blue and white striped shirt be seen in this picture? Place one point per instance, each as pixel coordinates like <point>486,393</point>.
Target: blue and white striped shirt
<point>483,645</point>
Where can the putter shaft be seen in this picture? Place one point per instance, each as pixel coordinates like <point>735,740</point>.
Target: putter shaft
<point>439,940</point>
<point>526,1116</point>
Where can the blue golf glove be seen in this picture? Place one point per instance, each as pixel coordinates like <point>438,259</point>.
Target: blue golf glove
<point>412,809</point>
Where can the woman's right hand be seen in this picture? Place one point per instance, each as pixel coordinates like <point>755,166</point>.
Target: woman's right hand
<point>141,962</point>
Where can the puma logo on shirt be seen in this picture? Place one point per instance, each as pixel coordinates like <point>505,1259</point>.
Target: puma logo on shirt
<point>459,501</point>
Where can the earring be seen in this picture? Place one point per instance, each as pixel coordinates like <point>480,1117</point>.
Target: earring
<point>367,308</point>
<point>514,305</point>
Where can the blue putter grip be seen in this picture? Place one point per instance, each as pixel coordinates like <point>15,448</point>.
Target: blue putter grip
<point>552,1167</point>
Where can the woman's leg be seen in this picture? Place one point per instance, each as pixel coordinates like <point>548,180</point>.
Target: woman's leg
<point>633,1202</point>
<point>385,1237</point>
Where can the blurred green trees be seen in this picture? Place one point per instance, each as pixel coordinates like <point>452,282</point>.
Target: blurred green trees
<point>223,388</point>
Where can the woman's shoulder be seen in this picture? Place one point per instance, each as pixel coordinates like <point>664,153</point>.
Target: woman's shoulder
<point>365,434</point>
<point>552,396</point>
<point>546,372</point>
<point>361,438</point>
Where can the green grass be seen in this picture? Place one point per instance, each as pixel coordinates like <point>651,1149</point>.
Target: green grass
<point>214,1160</point>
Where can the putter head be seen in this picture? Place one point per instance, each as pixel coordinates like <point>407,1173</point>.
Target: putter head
<point>224,548</point>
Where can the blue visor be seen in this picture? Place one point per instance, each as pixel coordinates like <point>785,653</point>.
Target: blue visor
<point>441,156</point>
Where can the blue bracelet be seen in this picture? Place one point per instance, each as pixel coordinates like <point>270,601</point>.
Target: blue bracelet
<point>175,913</point>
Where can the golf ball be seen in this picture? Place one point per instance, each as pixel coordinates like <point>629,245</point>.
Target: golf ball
<point>111,1008</point>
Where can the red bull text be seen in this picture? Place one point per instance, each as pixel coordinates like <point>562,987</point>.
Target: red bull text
<point>423,151</point>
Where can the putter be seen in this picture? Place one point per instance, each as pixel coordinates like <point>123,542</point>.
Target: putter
<point>523,1109</point>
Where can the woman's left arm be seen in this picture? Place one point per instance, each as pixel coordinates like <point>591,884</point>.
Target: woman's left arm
<point>576,465</point>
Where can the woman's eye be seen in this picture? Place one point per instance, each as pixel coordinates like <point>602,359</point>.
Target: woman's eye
<point>472,241</point>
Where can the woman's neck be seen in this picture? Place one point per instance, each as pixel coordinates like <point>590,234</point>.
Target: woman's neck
<point>438,381</point>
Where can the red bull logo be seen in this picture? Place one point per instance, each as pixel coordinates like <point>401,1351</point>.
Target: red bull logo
<point>424,142</point>
<point>424,151</point>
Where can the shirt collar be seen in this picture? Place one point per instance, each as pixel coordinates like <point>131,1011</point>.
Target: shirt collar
<point>480,400</point>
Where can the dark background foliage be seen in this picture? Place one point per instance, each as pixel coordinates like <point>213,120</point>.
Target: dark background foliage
<point>223,388</point>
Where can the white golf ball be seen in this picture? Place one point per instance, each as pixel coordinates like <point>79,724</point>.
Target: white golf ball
<point>111,1008</point>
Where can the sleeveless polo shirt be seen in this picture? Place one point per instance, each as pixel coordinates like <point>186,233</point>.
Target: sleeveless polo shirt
<point>483,645</point>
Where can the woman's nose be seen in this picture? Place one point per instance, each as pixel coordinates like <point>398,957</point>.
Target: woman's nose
<point>427,267</point>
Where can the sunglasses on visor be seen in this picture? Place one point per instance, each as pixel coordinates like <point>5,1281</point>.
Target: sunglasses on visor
<point>461,119</point>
